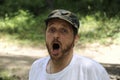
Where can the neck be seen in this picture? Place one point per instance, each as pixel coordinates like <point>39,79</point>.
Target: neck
<point>58,65</point>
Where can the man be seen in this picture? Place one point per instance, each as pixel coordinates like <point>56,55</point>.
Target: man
<point>61,34</point>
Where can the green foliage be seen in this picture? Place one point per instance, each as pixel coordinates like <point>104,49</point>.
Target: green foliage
<point>23,21</point>
<point>99,29</point>
<point>85,7</point>
<point>12,24</point>
<point>4,75</point>
<point>11,6</point>
<point>110,7</point>
<point>23,26</point>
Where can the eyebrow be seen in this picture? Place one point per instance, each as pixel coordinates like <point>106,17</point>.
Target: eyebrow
<point>67,26</point>
<point>49,24</point>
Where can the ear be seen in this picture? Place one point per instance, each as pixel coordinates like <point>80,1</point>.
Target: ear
<point>76,38</point>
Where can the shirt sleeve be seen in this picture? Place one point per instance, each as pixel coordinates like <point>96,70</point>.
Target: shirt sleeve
<point>37,68</point>
<point>32,71</point>
<point>96,71</point>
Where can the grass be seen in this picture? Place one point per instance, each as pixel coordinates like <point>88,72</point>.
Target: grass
<point>25,29</point>
<point>4,75</point>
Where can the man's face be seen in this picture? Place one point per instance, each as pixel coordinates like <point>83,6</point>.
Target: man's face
<point>59,38</point>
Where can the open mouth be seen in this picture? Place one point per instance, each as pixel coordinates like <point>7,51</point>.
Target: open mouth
<point>55,49</point>
<point>56,46</point>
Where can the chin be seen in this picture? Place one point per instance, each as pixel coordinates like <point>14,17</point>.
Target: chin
<point>56,57</point>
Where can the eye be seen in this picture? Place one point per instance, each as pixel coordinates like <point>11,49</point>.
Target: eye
<point>51,30</point>
<point>64,30</point>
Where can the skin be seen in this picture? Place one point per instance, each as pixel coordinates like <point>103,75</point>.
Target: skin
<point>60,32</point>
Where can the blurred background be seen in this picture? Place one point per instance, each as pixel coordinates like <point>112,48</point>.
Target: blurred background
<point>22,31</point>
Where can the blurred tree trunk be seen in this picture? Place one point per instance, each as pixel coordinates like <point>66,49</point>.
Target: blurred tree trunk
<point>50,4</point>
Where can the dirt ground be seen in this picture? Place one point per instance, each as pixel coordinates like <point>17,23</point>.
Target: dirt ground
<point>16,60</point>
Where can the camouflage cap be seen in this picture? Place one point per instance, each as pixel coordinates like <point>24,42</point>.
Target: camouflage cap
<point>64,15</point>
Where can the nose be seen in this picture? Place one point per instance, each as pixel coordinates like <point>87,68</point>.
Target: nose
<point>56,35</point>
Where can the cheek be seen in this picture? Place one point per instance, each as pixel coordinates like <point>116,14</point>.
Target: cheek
<point>67,39</point>
<point>48,38</point>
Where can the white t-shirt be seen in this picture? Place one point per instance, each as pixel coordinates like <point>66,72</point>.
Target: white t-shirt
<point>80,68</point>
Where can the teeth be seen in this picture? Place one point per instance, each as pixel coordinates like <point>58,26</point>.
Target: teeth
<point>56,46</point>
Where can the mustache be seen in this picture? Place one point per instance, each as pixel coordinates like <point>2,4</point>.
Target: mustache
<point>56,41</point>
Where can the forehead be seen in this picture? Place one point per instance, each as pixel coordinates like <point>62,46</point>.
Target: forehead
<point>61,22</point>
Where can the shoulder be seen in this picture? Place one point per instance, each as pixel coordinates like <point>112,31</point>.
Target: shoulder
<point>40,62</point>
<point>91,68</point>
<point>89,64</point>
<point>37,67</point>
